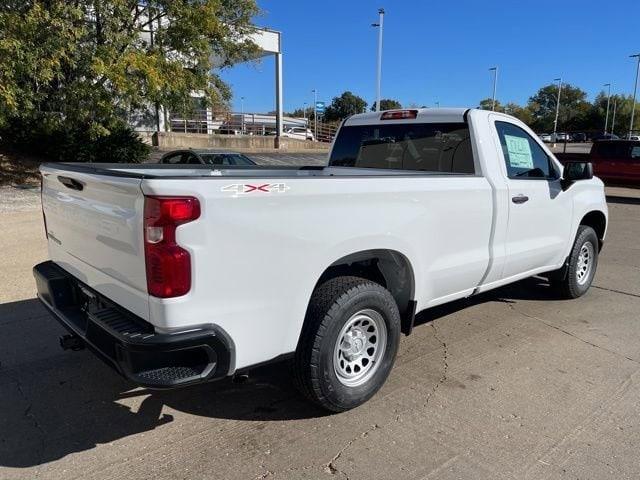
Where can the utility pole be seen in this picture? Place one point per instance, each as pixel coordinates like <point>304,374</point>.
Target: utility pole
<point>635,90</point>
<point>315,114</point>
<point>379,25</point>
<point>606,120</point>
<point>555,122</point>
<point>495,84</point>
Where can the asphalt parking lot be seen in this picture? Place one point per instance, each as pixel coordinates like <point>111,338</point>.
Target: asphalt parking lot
<point>511,384</point>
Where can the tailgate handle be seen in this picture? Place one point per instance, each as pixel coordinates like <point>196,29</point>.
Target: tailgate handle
<point>71,183</point>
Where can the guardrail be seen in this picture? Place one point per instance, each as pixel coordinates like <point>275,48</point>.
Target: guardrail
<point>245,123</point>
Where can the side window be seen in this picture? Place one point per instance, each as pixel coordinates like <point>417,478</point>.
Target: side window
<point>525,159</point>
<point>173,159</point>
<point>192,159</point>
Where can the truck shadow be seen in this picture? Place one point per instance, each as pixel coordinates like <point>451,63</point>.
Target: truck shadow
<point>56,403</point>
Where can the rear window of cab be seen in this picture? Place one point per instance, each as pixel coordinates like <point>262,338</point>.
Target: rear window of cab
<point>429,147</point>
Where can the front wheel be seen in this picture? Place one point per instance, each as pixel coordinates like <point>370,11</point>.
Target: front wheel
<point>348,344</point>
<point>581,267</point>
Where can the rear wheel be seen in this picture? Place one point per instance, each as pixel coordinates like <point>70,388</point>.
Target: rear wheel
<point>581,267</point>
<point>348,344</point>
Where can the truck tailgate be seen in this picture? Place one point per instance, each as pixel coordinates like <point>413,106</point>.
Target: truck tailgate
<point>95,232</point>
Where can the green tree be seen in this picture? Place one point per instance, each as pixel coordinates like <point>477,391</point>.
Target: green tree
<point>343,106</point>
<point>523,114</point>
<point>487,104</point>
<point>574,108</point>
<point>387,104</point>
<point>88,64</point>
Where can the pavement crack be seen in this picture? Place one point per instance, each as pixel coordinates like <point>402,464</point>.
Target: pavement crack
<point>445,363</point>
<point>263,475</point>
<point>613,290</point>
<point>566,332</point>
<point>331,467</point>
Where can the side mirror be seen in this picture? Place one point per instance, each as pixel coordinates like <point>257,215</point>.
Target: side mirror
<point>575,171</point>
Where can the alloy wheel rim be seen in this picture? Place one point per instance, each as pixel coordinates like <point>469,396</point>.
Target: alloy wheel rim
<point>359,347</point>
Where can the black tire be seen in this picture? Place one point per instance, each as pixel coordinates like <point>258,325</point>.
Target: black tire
<point>568,285</point>
<point>334,304</point>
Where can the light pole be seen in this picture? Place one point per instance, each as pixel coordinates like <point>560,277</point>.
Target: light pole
<point>304,113</point>
<point>495,84</point>
<point>555,122</point>
<point>606,118</point>
<point>242,115</point>
<point>379,25</point>
<point>635,90</point>
<point>613,120</point>
<point>315,113</point>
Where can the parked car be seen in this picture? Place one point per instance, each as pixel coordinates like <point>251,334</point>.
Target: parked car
<point>301,133</point>
<point>180,276</point>
<point>634,137</point>
<point>228,130</point>
<point>545,137</point>
<point>205,157</point>
<point>605,136</point>
<point>615,161</point>
<point>562,137</point>
<point>579,137</point>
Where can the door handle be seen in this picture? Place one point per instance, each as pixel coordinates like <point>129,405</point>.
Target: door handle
<point>519,199</point>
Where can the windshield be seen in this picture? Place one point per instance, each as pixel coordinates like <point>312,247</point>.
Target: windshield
<point>433,147</point>
<point>225,159</point>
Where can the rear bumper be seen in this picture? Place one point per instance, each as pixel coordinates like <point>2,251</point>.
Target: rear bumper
<point>129,344</point>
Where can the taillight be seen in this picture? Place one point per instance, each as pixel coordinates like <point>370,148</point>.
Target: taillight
<point>168,264</point>
<point>399,114</point>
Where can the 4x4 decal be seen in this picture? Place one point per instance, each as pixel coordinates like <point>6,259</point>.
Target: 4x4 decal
<point>243,188</point>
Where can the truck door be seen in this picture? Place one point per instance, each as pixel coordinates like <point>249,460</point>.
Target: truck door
<point>630,166</point>
<point>540,211</point>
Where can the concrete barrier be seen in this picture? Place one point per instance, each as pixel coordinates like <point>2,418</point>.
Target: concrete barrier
<point>248,143</point>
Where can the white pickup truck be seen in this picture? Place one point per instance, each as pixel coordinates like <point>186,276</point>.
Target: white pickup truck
<point>177,275</point>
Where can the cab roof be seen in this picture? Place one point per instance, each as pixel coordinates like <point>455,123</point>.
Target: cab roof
<point>424,115</point>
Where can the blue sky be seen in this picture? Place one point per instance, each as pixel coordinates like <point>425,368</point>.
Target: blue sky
<point>441,51</point>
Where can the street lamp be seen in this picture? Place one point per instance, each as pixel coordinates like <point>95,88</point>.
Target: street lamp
<point>606,120</point>
<point>242,115</point>
<point>635,90</point>
<point>304,113</point>
<point>613,121</point>
<point>379,25</point>
<point>495,83</point>
<point>315,113</point>
<point>555,122</point>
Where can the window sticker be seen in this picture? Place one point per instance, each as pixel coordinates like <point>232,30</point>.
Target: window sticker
<point>519,150</point>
